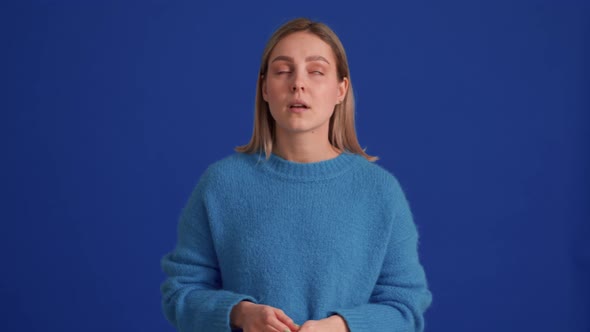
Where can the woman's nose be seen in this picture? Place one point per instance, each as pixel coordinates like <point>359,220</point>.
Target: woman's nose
<point>296,87</point>
<point>297,83</point>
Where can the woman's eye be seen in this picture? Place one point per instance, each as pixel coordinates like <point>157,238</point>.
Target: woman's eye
<point>283,72</point>
<point>317,72</point>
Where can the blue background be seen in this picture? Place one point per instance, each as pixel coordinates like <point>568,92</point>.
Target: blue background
<point>112,110</point>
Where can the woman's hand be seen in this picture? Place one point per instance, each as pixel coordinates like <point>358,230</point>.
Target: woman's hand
<point>252,317</point>
<point>331,324</point>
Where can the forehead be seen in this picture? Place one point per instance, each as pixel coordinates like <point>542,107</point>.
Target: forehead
<point>300,45</point>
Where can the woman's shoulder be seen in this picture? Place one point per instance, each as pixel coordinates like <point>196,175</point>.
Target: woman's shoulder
<point>229,165</point>
<point>377,173</point>
<point>227,169</point>
<point>382,183</point>
<point>231,162</point>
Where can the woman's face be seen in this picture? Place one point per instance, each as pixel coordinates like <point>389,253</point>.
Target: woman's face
<point>301,85</point>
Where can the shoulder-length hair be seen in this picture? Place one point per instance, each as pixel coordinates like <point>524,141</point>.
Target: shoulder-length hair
<point>342,133</point>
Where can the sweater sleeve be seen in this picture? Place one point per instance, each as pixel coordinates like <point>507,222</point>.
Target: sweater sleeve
<point>400,296</point>
<point>192,297</point>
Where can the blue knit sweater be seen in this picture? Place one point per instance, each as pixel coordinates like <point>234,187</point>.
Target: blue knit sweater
<point>313,239</point>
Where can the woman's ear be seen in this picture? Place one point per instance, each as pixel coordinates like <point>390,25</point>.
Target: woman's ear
<point>342,88</point>
<point>263,87</point>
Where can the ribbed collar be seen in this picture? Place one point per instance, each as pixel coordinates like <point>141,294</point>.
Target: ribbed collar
<point>315,171</point>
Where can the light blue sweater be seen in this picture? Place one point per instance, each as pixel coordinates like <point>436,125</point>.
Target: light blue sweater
<point>313,239</point>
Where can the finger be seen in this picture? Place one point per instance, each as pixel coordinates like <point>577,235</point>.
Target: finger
<point>310,325</point>
<point>279,326</point>
<point>286,320</point>
<point>271,321</point>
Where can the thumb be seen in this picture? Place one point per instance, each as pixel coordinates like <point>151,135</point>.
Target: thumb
<point>286,320</point>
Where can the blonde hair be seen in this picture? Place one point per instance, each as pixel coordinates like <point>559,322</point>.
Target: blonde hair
<point>342,133</point>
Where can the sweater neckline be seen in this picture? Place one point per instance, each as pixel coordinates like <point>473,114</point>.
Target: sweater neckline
<point>325,169</point>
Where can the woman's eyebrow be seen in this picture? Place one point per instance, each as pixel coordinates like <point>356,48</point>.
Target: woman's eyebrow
<point>316,58</point>
<point>308,59</point>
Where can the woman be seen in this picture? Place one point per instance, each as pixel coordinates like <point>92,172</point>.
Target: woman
<point>312,232</point>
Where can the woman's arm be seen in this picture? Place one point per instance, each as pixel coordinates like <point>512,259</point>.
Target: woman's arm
<point>191,296</point>
<point>399,299</point>
<point>401,296</point>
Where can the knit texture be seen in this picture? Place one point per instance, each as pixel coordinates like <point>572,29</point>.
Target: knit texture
<point>313,239</point>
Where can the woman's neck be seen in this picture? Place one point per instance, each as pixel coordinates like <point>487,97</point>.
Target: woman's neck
<point>304,148</point>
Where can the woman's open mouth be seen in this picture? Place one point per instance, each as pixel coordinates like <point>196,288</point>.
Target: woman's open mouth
<point>298,107</point>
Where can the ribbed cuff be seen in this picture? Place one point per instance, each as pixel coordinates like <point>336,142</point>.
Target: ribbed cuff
<point>355,321</point>
<point>220,320</point>
<point>370,317</point>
